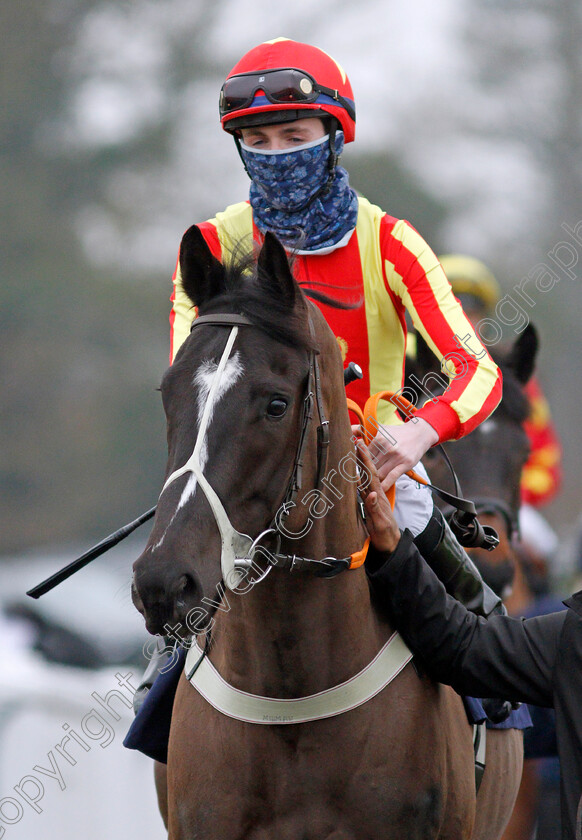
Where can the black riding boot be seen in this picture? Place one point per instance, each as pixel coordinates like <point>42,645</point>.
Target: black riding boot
<point>453,566</point>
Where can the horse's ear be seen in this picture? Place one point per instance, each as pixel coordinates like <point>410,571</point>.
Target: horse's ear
<point>202,273</point>
<point>522,357</point>
<point>274,270</point>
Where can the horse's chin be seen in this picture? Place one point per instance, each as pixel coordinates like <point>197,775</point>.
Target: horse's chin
<point>154,627</point>
<point>176,626</point>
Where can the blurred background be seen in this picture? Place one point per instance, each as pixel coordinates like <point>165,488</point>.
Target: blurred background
<point>469,125</point>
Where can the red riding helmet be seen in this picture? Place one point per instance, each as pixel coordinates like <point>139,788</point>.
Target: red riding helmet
<point>284,80</point>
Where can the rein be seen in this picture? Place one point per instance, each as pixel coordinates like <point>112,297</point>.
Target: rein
<point>386,665</point>
<point>463,521</point>
<point>394,655</point>
<point>488,506</point>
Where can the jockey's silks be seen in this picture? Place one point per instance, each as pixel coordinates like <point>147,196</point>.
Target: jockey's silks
<point>388,269</point>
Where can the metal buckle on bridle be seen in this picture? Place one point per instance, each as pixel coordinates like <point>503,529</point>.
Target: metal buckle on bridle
<point>245,564</point>
<point>335,564</point>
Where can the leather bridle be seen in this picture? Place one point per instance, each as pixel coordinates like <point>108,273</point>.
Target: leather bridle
<point>464,523</point>
<point>238,549</point>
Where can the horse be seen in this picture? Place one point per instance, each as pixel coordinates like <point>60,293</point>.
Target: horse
<point>488,464</point>
<point>260,444</point>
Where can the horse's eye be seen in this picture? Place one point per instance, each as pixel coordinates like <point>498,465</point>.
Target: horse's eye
<point>277,407</point>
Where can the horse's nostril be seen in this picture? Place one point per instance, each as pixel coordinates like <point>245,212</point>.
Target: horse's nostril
<point>185,590</point>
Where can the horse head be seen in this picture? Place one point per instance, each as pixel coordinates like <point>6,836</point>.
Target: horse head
<point>238,402</point>
<point>489,461</point>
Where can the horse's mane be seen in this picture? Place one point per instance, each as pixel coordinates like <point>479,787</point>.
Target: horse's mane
<point>245,292</point>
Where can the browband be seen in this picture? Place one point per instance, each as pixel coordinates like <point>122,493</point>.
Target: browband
<point>222,320</point>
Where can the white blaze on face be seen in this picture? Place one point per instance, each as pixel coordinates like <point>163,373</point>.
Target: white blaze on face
<point>207,388</point>
<point>203,380</point>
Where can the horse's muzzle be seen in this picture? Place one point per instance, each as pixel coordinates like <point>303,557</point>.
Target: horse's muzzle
<point>167,609</point>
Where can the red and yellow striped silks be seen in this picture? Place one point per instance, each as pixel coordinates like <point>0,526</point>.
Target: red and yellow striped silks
<point>389,269</point>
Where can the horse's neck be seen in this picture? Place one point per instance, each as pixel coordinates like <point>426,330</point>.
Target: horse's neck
<point>296,635</point>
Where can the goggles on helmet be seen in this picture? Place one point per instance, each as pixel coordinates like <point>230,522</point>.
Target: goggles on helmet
<point>281,87</point>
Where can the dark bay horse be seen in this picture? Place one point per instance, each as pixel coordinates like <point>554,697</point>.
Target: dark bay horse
<point>248,401</point>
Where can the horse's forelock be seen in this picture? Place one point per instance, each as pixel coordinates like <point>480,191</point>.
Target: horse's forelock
<point>248,294</point>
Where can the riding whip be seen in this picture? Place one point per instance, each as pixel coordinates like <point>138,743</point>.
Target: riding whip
<point>90,555</point>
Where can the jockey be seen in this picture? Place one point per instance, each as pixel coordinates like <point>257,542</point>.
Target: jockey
<point>478,292</point>
<point>290,110</point>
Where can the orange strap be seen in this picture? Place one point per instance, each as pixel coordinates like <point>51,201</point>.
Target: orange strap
<point>368,419</point>
<point>358,558</point>
<point>353,406</point>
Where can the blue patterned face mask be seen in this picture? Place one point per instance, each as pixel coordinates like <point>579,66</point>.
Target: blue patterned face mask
<point>288,178</point>
<point>288,198</point>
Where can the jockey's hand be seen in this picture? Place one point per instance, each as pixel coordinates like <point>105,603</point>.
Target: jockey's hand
<point>380,521</point>
<point>397,449</point>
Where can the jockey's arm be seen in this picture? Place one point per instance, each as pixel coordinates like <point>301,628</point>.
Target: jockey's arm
<point>469,386</point>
